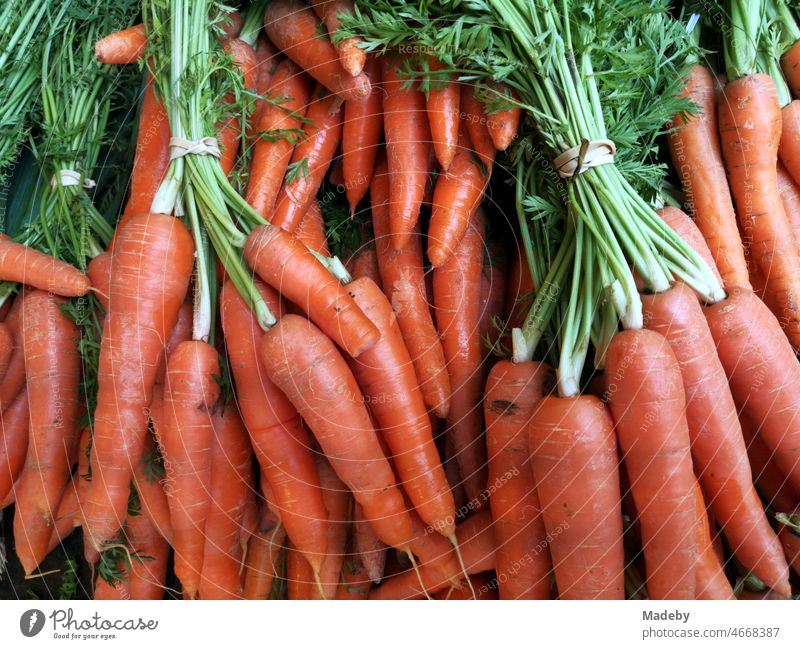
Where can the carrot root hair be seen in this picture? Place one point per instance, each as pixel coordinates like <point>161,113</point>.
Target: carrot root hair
<point>452,538</point>
<point>415,566</point>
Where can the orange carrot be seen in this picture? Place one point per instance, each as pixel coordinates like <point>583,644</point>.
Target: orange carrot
<point>13,380</point>
<point>474,117</point>
<point>149,486</point>
<point>443,107</point>
<point>67,517</point>
<point>711,580</point>
<point>790,64</point>
<point>7,345</point>
<point>299,575</point>
<point>687,230</point>
<point>146,578</point>
<point>229,132</point>
<point>311,231</point>
<point>351,56</point>
<point>789,532</point>
<point>355,581</point>
<point>790,198</point>
<point>14,421</point>
<point>337,503</point>
<point>19,263</point>
<point>263,556</point>
<point>365,264</point>
<point>370,551</point>
<point>267,58</point>
<point>122,47</point>
<point>790,139</point>
<point>503,124</point>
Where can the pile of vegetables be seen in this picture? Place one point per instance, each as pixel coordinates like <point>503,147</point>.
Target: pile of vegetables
<point>400,301</point>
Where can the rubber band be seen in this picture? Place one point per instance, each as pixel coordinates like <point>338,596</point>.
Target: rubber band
<point>204,146</point>
<point>71,178</point>
<point>581,158</point>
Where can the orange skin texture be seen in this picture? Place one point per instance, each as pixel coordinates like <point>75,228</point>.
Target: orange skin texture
<point>146,580</point>
<point>267,59</point>
<point>6,347</point>
<point>476,121</point>
<point>19,263</point>
<point>355,580</point>
<point>53,370</point>
<point>294,29</point>
<point>152,496</point>
<point>365,264</point>
<point>67,517</point>
<point>323,133</point>
<point>790,539</point>
<point>337,503</point>
<point>228,133</point>
<point>370,551</point>
<point>351,56</point>
<point>790,197</point>
<point>286,264</point>
<point>697,157</point>
<point>763,373</point>
<point>687,230</point>
<point>307,367</point>
<point>271,158</point>
<point>122,47</point>
<point>99,273</point>
<point>750,128</point>
<point>13,379</point>
<point>150,271</point>
<point>262,561</point>
<point>789,148</point>
<point>386,377</point>
<point>503,126</point>
<point>281,443</point>
<point>443,106</point>
<point>15,422</point>
<point>711,580</point>
<point>299,576</point>
<point>790,64</point>
<point>408,137</point>
<point>575,467</point>
<point>718,449</point>
<point>361,136</point>
<point>311,231</point>
<point>513,391</point>
<point>403,280</point>
<point>456,290</point>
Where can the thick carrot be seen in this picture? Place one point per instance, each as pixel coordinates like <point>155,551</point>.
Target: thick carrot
<point>186,435</point>
<point>147,579</point>
<point>281,444</point>
<point>150,275</point>
<point>351,56</point>
<point>230,130</point>
<point>718,448</point>
<point>369,550</point>
<point>790,198</point>
<point>574,462</point>
<point>311,231</point>
<point>295,30</point>
<point>711,580</point>
<point>122,47</point>
<point>361,135</point>
<point>750,127</point>
<point>457,289</point>
<point>310,159</point>
<point>476,541</point>
<point>277,129</point>
<point>687,230</point>
<point>307,367</point>
<point>789,148</point>
<point>53,370</point>
<point>286,264</point>
<point>231,481</point>
<point>403,280</point>
<point>474,117</point>
<point>15,422</point>
<point>646,396</point>
<point>523,562</point>
<point>443,107</point>
<point>148,483</point>
<point>697,157</point>
<point>408,137</point>
<point>503,124</point>
<point>337,503</point>
<point>790,64</point>
<point>263,556</point>
<point>19,263</point>
<point>386,377</point>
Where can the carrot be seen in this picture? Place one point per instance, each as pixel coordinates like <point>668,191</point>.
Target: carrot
<point>523,562</point>
<point>67,518</point>
<point>299,575</point>
<point>263,556</point>
<point>19,263</point>
<point>574,463</point>
<point>279,440</point>
<point>403,279</point>
<point>146,578</point>
<point>474,117</point>
<point>493,295</point>
<point>503,124</point>
<point>181,332</point>
<point>337,503</point>
<point>370,551</point>
<point>267,58</point>
<point>790,199</point>
<point>7,345</point>
<point>99,273</point>
<point>53,369</point>
<point>361,135</point>
<point>277,127</point>
<point>286,265</point>
<point>13,380</point>
<point>687,230</point>
<point>105,591</point>
<point>310,160</point>
<point>646,397</point>
<point>477,549</point>
<point>149,486</point>
<point>231,481</point>
<point>365,264</point>
<point>351,56</point>
<point>152,155</point>
<point>122,47</point>
<point>311,231</point>
<point>711,580</point>
<point>718,448</point>
<point>789,533</point>
<point>443,108</point>
<point>407,151</point>
<point>751,110</point>
<point>14,421</point>
<point>229,131</point>
<point>295,30</point>
<point>307,367</point>
<point>763,373</point>
<point>696,155</point>
<point>150,275</point>
<point>457,195</point>
<point>485,588</point>
<point>520,291</point>
<point>355,581</point>
<point>790,139</point>
<point>186,435</point>
<point>790,64</point>
<point>456,289</point>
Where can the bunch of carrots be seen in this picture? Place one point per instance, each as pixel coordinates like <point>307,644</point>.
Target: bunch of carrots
<point>265,419</point>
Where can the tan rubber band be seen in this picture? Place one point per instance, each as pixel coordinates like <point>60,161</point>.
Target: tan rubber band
<point>204,146</point>
<point>588,154</point>
<point>71,178</point>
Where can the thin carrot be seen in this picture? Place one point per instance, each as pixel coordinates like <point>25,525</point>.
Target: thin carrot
<point>337,502</point>
<point>147,578</point>
<point>14,421</point>
<point>150,275</point>
<point>687,230</point>
<point>19,263</point>
<point>403,280</point>
<point>351,56</point>
<point>523,562</point>
<point>229,131</point>
<point>267,59</point>
<point>407,150</point>
<point>503,124</point>
<point>311,231</point>
<point>443,107</point>
<point>53,369</point>
<point>574,463</point>
<point>473,115</point>
<point>148,483</point>
<point>105,591</point>
<point>263,556</point>
<point>308,368</point>
<point>67,517</point>
<point>369,550</point>
<point>457,289</point>
<point>299,575</point>
<point>789,532</point>
<point>13,380</point>
<point>6,348</point>
<point>711,580</point>
<point>361,135</point>
<point>646,397</point>
<point>286,265</point>
<point>697,157</point>
<point>122,47</point>
<point>355,580</point>
<point>310,160</point>
<point>365,264</point>
<point>295,30</point>
<point>278,127</point>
